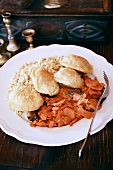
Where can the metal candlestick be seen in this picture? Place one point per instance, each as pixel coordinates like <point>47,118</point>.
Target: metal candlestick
<point>12,46</point>
<point>28,34</point>
<point>54,3</point>
<point>3,58</point>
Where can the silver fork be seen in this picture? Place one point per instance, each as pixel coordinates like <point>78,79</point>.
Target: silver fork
<point>103,96</point>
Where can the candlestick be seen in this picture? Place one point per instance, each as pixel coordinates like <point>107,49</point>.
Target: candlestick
<point>3,58</point>
<point>12,46</point>
<point>28,34</point>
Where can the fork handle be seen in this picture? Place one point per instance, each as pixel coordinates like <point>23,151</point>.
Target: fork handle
<point>80,151</point>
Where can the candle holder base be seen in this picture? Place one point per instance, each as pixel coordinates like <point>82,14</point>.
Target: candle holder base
<point>50,4</point>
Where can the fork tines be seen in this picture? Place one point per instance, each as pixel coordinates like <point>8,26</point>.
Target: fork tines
<point>105,78</point>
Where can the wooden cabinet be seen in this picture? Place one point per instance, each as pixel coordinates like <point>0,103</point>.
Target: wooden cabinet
<point>78,21</point>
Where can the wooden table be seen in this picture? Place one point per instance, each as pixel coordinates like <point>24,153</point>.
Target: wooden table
<point>98,152</point>
<point>78,21</point>
<point>90,16</point>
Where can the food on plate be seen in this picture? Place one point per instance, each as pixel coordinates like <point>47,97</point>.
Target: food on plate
<point>55,91</point>
<point>51,64</point>
<point>23,75</point>
<point>68,107</point>
<point>24,98</point>
<point>76,62</point>
<point>44,81</point>
<point>69,77</point>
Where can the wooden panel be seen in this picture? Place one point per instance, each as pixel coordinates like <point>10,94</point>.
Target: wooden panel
<point>77,21</point>
<point>61,29</point>
<point>73,7</point>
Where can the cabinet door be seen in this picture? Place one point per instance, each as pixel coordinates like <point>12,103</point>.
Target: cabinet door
<point>87,30</point>
<point>61,29</point>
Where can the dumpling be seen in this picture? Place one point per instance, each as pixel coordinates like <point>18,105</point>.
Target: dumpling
<point>24,98</point>
<point>76,62</point>
<point>69,77</point>
<point>44,81</point>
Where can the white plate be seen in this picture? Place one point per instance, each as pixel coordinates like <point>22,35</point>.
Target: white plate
<point>15,126</point>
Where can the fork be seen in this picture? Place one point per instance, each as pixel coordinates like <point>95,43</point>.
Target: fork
<point>103,96</point>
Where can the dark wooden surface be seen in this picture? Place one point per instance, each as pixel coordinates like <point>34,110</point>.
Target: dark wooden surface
<point>18,7</point>
<point>77,21</point>
<point>98,152</point>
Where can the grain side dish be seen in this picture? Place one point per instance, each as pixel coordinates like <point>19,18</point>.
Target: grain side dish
<point>55,91</point>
